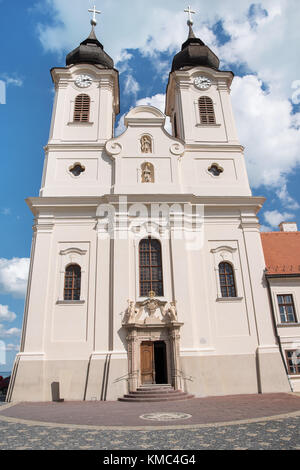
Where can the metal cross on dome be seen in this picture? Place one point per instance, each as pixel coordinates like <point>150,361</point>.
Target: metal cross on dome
<point>95,12</point>
<point>190,13</point>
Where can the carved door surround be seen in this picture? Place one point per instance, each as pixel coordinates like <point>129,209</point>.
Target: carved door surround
<point>148,322</point>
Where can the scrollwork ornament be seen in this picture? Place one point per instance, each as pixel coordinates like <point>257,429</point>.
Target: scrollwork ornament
<point>113,148</point>
<point>177,149</point>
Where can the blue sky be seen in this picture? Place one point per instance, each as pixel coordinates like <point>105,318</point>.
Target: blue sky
<point>257,40</point>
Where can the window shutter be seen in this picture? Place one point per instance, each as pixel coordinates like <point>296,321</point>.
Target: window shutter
<point>82,108</point>
<point>206,109</point>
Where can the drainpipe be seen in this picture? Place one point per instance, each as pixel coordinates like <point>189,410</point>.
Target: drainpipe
<point>275,329</point>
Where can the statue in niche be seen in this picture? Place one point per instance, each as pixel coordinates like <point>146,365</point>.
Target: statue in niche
<point>146,144</point>
<point>147,173</point>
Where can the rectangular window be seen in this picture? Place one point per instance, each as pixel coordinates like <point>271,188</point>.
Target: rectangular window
<point>286,309</point>
<point>151,276</point>
<point>293,362</point>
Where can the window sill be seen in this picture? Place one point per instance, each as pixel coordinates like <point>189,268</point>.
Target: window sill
<point>229,299</point>
<point>208,125</point>
<point>70,302</point>
<point>287,325</point>
<point>79,123</point>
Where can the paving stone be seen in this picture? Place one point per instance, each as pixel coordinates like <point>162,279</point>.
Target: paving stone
<point>272,433</point>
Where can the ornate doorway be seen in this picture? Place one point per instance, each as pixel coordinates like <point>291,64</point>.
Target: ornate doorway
<point>153,335</point>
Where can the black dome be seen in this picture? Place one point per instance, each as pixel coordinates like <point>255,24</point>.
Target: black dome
<point>193,53</point>
<point>90,51</point>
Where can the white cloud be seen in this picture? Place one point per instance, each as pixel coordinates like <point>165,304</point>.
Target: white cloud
<point>274,218</point>
<point>12,347</point>
<point>5,314</point>
<point>265,127</point>
<point>131,86</point>
<point>11,80</point>
<point>13,275</point>
<point>11,332</point>
<point>265,228</point>
<point>5,211</point>
<point>286,199</point>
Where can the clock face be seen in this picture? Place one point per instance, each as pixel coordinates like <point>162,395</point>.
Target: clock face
<point>203,83</point>
<point>83,81</point>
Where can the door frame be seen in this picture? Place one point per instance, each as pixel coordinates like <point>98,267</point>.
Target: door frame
<point>138,333</point>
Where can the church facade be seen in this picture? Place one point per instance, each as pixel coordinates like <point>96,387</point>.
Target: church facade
<point>147,263</point>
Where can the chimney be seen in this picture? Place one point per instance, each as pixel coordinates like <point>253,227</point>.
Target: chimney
<point>288,227</point>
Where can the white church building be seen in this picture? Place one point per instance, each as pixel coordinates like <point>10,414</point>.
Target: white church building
<point>147,264</point>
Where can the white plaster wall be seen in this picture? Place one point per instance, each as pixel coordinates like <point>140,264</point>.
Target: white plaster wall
<point>95,180</point>
<point>289,333</point>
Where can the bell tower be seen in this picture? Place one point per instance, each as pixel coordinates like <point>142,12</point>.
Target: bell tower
<point>85,107</point>
<point>199,106</point>
<point>198,95</point>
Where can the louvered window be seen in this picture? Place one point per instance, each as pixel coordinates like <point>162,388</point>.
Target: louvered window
<point>82,108</point>
<point>72,282</point>
<point>227,280</point>
<point>151,276</point>
<point>206,109</point>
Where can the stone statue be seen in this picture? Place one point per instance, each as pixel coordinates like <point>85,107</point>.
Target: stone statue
<point>172,311</point>
<point>147,173</point>
<point>146,144</point>
<point>131,312</point>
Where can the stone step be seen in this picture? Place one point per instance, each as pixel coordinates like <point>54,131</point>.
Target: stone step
<point>183,396</point>
<point>153,394</point>
<point>154,390</point>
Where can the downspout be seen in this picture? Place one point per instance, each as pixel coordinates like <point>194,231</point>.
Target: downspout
<point>275,330</point>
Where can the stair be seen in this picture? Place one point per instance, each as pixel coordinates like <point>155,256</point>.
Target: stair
<point>155,393</point>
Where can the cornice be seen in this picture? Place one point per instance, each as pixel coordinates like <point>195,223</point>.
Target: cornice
<point>243,203</point>
<point>74,146</point>
<point>213,147</point>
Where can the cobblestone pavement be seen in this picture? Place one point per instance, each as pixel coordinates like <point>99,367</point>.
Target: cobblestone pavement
<point>277,434</point>
<point>214,423</point>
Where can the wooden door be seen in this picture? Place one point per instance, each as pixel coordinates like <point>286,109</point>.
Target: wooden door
<point>147,362</point>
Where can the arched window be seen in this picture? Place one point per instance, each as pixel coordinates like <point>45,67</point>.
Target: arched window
<point>82,108</point>
<point>72,282</point>
<point>227,281</point>
<point>151,275</point>
<point>206,109</point>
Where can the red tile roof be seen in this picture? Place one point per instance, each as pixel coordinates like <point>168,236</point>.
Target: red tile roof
<point>282,252</point>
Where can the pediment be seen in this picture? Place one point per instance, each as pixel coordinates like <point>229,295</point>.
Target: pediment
<point>144,122</point>
<point>142,113</point>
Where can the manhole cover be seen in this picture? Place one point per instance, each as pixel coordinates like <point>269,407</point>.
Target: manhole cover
<point>165,416</point>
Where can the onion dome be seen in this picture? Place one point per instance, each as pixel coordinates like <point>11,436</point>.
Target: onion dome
<point>90,51</point>
<point>194,53</point>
